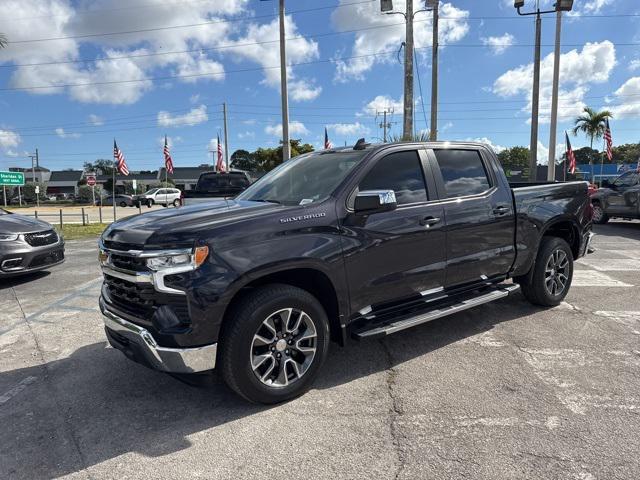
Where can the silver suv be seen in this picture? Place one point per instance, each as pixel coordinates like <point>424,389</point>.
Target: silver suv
<point>160,196</point>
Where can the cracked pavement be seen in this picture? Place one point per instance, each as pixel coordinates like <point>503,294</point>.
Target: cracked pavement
<point>505,390</point>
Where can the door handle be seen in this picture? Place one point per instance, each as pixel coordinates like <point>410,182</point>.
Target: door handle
<point>429,221</point>
<point>501,210</point>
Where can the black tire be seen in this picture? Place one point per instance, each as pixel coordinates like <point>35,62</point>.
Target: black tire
<point>538,285</point>
<point>237,344</point>
<point>123,204</point>
<point>599,216</point>
<point>149,203</point>
<point>176,203</point>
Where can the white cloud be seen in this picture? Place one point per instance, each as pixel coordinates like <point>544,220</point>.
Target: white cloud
<point>259,45</point>
<point>200,68</point>
<point>11,153</point>
<point>95,120</point>
<point>366,17</point>
<point>295,128</point>
<point>383,102</point>
<point>9,139</point>
<point>634,65</point>
<point>593,6</point>
<point>578,69</point>
<point>246,135</point>
<point>171,141</point>
<point>543,153</point>
<point>487,141</point>
<point>195,98</point>
<point>500,44</point>
<point>628,95</point>
<point>194,117</point>
<point>62,134</point>
<point>348,129</point>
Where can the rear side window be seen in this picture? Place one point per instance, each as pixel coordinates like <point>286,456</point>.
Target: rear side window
<point>463,172</point>
<point>239,182</point>
<point>400,172</point>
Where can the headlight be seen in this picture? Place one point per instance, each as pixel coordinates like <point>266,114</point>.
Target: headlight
<point>8,237</point>
<point>196,259</point>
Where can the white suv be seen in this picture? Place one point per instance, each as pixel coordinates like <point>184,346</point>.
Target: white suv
<point>161,196</point>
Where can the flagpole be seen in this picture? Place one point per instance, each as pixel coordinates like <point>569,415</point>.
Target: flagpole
<point>602,159</point>
<point>113,189</point>
<point>566,157</point>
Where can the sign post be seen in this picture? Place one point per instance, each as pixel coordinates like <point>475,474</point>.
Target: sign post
<point>91,181</point>
<point>11,179</point>
<point>37,189</point>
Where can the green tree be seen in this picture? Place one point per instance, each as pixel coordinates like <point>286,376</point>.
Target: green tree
<point>100,166</point>
<point>626,153</point>
<point>245,160</point>
<point>592,123</point>
<point>514,157</point>
<point>86,195</point>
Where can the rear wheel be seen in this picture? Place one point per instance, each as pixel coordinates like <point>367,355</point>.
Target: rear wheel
<point>123,204</point>
<point>176,202</point>
<point>274,344</point>
<point>599,216</point>
<point>552,274</point>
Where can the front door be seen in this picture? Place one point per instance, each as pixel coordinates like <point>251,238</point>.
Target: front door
<point>623,197</point>
<point>392,256</point>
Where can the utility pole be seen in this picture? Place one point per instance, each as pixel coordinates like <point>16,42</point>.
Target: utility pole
<point>407,125</point>
<point>535,102</point>
<point>551,169</point>
<point>226,136</point>
<point>33,177</point>
<point>286,146</point>
<point>434,76</point>
<point>385,125</point>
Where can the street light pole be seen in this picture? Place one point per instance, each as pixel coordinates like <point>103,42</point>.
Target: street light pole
<point>407,124</point>
<point>434,76</point>
<point>551,169</point>
<point>286,146</point>
<point>535,103</point>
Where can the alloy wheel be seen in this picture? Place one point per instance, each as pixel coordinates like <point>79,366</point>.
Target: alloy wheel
<point>283,348</point>
<point>556,272</point>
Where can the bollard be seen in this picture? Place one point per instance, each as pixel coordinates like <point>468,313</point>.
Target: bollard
<point>100,212</point>
<point>139,209</point>
<point>61,219</point>
<point>36,214</point>
<point>83,223</point>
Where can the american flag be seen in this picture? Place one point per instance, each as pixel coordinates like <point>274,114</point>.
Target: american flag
<point>219,163</point>
<point>327,142</point>
<point>609,140</point>
<point>121,164</point>
<point>571,157</point>
<point>168,162</point>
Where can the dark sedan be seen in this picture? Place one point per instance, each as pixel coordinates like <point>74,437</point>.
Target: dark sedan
<point>122,200</point>
<point>27,244</point>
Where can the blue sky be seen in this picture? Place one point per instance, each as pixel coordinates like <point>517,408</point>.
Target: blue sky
<point>155,80</point>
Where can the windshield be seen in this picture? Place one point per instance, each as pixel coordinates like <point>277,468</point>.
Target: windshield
<point>309,178</point>
<point>151,192</point>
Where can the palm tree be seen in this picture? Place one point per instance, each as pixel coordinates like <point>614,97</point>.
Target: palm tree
<point>593,125</point>
<point>3,40</point>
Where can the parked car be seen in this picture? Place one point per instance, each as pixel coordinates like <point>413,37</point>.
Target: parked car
<point>213,184</point>
<point>160,196</point>
<point>25,200</point>
<point>122,200</point>
<point>359,242</point>
<point>27,244</point>
<point>618,199</point>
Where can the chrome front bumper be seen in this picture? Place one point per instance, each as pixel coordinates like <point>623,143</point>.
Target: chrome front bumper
<point>134,340</point>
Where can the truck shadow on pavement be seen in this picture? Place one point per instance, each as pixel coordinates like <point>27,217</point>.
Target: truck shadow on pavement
<point>621,228</point>
<point>96,405</point>
<point>14,281</point>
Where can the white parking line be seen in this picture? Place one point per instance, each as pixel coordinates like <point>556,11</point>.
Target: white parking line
<point>592,278</point>
<point>612,264</point>
<point>17,389</point>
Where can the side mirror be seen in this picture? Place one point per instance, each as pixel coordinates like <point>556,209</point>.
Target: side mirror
<point>375,201</point>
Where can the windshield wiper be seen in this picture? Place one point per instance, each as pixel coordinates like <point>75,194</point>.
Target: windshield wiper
<point>267,200</point>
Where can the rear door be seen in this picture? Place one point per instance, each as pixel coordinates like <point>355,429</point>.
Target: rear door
<point>479,213</point>
<point>395,255</point>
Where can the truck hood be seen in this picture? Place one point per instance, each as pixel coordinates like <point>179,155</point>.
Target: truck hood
<point>14,223</point>
<point>176,227</point>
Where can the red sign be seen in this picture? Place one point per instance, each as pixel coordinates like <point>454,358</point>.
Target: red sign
<point>91,181</point>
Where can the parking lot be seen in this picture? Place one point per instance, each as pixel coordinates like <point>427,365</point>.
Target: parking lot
<point>506,390</point>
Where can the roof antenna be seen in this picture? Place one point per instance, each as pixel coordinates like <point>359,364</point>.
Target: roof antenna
<point>361,144</point>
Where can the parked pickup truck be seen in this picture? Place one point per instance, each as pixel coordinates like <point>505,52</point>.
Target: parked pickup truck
<point>620,199</point>
<point>213,185</point>
<point>360,242</point>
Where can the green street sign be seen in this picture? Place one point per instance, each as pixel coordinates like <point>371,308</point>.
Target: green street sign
<point>11,178</point>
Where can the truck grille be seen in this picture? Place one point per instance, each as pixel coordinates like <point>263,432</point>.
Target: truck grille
<point>40,239</point>
<point>124,262</point>
<point>141,300</point>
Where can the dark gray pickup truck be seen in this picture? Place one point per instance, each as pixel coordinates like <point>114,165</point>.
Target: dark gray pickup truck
<point>619,199</point>
<point>360,242</point>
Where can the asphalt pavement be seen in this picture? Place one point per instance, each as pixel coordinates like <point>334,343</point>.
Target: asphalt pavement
<point>504,391</point>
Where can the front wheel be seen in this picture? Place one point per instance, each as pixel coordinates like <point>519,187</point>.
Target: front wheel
<point>176,202</point>
<point>149,203</point>
<point>274,344</point>
<point>599,216</point>
<point>552,274</point>
<point>123,204</point>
